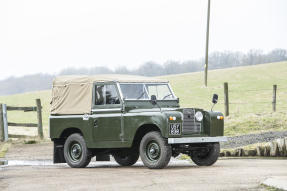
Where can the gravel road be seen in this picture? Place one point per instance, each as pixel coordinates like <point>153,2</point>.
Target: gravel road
<point>243,140</point>
<point>34,170</point>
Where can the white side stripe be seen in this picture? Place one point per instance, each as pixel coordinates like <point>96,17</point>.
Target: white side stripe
<point>81,116</point>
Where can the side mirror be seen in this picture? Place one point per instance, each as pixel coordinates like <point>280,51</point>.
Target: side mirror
<point>214,98</point>
<point>153,99</point>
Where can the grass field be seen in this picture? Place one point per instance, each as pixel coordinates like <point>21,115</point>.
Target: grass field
<point>250,96</point>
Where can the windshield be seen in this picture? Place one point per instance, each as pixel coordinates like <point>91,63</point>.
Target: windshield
<point>145,91</point>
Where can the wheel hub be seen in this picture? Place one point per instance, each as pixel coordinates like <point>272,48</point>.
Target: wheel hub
<point>75,151</point>
<point>153,151</point>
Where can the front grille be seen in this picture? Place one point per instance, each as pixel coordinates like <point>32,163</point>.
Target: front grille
<point>190,126</point>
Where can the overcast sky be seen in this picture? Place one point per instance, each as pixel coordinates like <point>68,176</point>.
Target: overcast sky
<point>47,36</point>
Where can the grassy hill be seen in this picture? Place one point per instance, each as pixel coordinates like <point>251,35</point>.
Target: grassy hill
<point>250,96</point>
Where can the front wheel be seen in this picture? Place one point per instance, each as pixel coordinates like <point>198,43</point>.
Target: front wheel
<point>154,151</point>
<point>208,157</point>
<point>76,153</point>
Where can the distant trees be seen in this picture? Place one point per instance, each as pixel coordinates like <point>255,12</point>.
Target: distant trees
<point>86,71</point>
<point>277,55</point>
<point>122,70</point>
<point>149,69</point>
<point>217,60</point>
<point>224,59</point>
<point>27,83</point>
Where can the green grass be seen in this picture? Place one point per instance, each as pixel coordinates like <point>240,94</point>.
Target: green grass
<point>189,87</point>
<point>247,87</point>
<point>269,188</point>
<point>28,99</point>
<point>3,149</point>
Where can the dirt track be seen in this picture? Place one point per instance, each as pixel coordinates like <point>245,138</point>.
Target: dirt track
<point>226,174</point>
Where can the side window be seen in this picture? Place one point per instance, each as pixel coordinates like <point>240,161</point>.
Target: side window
<point>112,95</point>
<point>106,95</point>
<point>99,95</point>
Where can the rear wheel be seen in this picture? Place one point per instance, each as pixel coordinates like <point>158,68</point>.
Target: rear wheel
<point>154,151</point>
<point>208,157</point>
<point>126,157</point>
<point>76,153</point>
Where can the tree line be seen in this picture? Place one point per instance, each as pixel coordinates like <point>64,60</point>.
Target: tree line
<point>217,60</point>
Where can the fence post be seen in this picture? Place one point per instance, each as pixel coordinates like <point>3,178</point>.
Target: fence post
<point>274,98</point>
<point>39,116</point>
<point>226,99</point>
<point>5,121</point>
<point>1,124</point>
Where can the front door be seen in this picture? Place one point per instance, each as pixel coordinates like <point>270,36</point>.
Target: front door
<point>107,115</point>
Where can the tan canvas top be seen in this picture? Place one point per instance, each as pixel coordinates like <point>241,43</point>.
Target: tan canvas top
<point>71,79</point>
<point>73,94</point>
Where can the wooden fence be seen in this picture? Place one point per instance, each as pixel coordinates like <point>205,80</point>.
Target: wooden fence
<point>4,124</point>
<point>273,98</point>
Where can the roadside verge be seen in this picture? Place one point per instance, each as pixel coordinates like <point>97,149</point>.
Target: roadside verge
<point>278,182</point>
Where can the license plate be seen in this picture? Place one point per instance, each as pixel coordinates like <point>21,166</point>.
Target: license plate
<point>174,129</point>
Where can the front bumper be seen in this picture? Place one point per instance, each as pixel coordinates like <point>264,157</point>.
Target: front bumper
<point>196,140</point>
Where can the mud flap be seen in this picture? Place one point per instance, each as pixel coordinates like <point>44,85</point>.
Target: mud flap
<point>59,152</point>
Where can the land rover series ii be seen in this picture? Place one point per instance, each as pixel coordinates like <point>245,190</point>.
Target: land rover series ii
<point>127,117</point>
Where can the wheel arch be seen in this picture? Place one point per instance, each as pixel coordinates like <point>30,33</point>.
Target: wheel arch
<point>58,156</point>
<point>69,131</point>
<point>142,131</point>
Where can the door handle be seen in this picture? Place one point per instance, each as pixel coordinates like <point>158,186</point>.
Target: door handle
<point>95,123</point>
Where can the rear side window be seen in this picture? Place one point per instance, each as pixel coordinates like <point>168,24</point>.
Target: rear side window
<point>106,95</point>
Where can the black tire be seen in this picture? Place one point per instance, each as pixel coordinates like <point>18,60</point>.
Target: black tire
<point>126,157</point>
<point>76,153</point>
<point>154,151</point>
<point>209,158</point>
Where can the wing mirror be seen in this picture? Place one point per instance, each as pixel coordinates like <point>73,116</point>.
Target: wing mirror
<point>153,99</point>
<point>215,99</point>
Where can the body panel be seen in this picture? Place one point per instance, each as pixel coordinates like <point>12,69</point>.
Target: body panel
<point>117,129</point>
<point>213,127</point>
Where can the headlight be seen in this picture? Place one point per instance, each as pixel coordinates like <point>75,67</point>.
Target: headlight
<point>172,118</point>
<point>198,116</point>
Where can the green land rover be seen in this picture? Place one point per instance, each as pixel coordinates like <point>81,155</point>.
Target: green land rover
<point>127,117</point>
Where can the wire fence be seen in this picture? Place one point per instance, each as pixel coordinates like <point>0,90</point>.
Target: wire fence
<point>264,100</point>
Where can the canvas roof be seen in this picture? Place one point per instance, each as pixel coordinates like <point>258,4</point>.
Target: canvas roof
<point>82,79</point>
<point>73,94</point>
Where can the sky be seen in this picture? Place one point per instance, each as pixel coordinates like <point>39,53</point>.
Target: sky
<point>47,36</point>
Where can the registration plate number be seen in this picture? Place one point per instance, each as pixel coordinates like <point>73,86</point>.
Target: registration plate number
<point>174,129</point>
